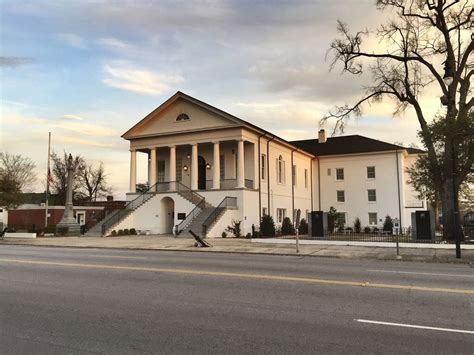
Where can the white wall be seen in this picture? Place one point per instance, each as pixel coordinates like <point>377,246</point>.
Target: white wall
<point>148,216</point>
<point>356,184</point>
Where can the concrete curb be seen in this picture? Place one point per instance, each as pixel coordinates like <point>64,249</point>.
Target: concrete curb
<point>408,258</point>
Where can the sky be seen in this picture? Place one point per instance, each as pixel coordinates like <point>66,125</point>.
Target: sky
<point>87,71</point>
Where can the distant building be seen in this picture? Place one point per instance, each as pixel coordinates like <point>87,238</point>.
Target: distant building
<point>207,167</point>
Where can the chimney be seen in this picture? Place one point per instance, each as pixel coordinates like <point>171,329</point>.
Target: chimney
<point>322,136</point>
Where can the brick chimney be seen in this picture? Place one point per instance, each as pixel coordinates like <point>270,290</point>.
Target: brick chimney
<point>322,136</point>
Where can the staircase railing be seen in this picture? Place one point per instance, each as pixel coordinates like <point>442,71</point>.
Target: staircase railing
<point>159,187</point>
<point>133,205</point>
<point>191,215</point>
<point>227,202</point>
<point>188,194</point>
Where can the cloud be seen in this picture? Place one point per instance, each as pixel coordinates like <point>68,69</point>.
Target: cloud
<point>73,117</point>
<point>124,76</point>
<point>114,43</point>
<point>13,62</point>
<point>73,40</point>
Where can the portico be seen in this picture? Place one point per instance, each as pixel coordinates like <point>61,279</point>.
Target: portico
<point>200,165</point>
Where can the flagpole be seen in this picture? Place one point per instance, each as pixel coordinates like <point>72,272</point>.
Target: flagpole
<point>48,176</point>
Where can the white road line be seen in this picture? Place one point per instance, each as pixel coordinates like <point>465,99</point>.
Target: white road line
<point>115,256</point>
<point>420,273</point>
<point>416,326</point>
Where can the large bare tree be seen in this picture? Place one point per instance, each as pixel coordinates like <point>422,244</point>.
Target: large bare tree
<point>94,182</point>
<point>428,44</point>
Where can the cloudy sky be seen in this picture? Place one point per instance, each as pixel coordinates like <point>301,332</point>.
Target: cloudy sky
<point>88,70</point>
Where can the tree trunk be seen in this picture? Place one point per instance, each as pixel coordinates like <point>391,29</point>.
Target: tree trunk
<point>450,204</point>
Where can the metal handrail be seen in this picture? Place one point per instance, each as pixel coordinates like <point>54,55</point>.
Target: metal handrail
<point>163,186</point>
<point>191,215</point>
<point>228,201</point>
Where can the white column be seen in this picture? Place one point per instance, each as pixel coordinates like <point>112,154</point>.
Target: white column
<point>133,171</point>
<point>172,174</point>
<point>256,181</point>
<point>240,165</point>
<point>216,177</point>
<point>194,167</point>
<point>149,168</point>
<point>153,169</point>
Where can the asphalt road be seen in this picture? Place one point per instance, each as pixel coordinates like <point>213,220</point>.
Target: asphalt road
<point>60,300</point>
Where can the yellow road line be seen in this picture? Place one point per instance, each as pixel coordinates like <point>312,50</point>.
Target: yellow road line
<point>244,276</point>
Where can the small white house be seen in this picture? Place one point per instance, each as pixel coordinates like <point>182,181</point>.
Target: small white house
<point>208,167</point>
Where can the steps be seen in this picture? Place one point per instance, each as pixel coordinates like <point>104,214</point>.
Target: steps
<point>196,223</point>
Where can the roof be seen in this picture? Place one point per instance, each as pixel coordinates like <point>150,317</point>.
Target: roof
<point>333,146</point>
<point>349,145</point>
<point>237,120</point>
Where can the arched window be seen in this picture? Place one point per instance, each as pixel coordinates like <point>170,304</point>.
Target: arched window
<point>280,170</point>
<point>182,117</point>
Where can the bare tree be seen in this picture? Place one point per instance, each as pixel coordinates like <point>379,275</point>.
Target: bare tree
<point>59,176</point>
<point>18,169</point>
<point>16,176</point>
<point>420,37</point>
<point>94,182</point>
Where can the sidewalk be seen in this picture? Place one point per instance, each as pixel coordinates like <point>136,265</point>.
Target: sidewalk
<point>232,245</point>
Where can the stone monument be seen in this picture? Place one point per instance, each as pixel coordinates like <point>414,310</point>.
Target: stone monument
<point>68,225</point>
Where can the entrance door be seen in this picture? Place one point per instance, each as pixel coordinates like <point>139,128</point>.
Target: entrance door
<point>81,218</point>
<point>201,173</point>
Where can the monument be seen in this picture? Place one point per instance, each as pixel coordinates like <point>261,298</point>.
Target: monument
<point>68,224</point>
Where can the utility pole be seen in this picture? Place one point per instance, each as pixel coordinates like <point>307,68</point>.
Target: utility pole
<point>48,177</point>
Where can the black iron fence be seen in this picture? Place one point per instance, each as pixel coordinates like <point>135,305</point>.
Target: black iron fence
<point>378,237</point>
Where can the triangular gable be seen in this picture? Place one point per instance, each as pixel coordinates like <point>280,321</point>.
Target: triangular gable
<point>164,119</point>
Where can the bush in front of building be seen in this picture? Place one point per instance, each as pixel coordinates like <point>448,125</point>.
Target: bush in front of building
<point>133,231</point>
<point>388,224</point>
<point>126,231</point>
<point>120,232</point>
<point>367,230</point>
<point>357,225</point>
<point>224,235</point>
<point>303,227</point>
<point>267,226</point>
<point>234,228</point>
<point>114,233</point>
<point>287,227</point>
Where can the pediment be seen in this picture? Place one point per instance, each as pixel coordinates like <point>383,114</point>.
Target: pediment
<point>181,114</point>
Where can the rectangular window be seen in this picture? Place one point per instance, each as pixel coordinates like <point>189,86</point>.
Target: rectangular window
<point>264,211</point>
<point>222,166</point>
<point>294,175</point>
<point>264,167</point>
<point>161,171</point>
<point>281,214</point>
<point>339,174</point>
<point>341,197</point>
<point>305,178</point>
<point>371,172</point>
<point>372,218</point>
<point>179,169</point>
<point>371,195</point>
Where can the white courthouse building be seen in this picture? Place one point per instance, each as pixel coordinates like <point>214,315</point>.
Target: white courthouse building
<point>207,167</point>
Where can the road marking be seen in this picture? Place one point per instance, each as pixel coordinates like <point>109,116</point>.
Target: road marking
<point>239,275</point>
<point>420,273</point>
<point>115,256</point>
<point>416,326</point>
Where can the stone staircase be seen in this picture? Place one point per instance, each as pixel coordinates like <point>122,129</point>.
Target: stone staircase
<point>119,215</point>
<point>196,223</point>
